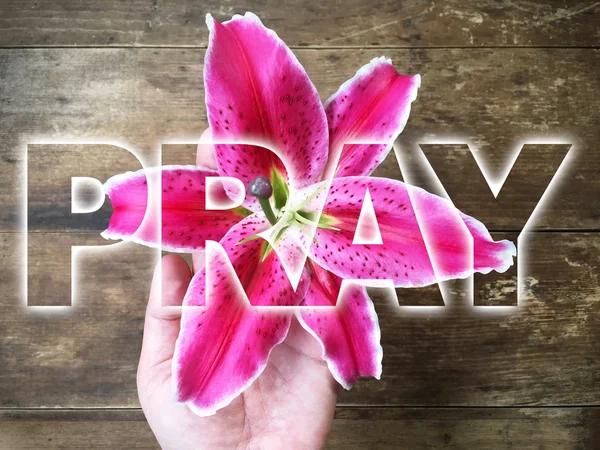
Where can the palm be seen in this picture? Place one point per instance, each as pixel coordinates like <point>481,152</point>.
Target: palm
<point>291,404</point>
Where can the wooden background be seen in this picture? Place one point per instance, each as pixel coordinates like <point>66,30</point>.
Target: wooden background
<point>498,72</point>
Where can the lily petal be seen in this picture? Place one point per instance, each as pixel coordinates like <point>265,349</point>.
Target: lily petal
<point>223,347</point>
<point>372,109</point>
<point>404,256</point>
<point>349,332</point>
<point>185,222</point>
<point>257,92</point>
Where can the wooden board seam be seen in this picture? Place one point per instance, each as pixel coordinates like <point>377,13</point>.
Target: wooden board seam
<point>309,47</point>
<point>338,406</point>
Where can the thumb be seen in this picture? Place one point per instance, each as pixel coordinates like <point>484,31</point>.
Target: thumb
<point>161,327</point>
<point>205,155</point>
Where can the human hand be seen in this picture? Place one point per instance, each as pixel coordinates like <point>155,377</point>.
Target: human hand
<point>290,405</point>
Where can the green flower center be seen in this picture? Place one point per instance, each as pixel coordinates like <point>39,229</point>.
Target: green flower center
<point>273,195</point>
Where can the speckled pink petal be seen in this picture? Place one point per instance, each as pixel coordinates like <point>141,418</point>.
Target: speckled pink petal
<point>224,345</point>
<point>403,256</point>
<point>349,332</point>
<point>186,224</point>
<point>371,108</point>
<point>257,92</point>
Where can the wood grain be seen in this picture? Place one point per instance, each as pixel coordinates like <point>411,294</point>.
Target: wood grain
<point>545,353</point>
<point>311,23</point>
<point>495,75</point>
<point>353,428</point>
<point>142,97</point>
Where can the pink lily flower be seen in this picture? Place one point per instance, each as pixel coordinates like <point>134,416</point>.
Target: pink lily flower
<point>257,92</point>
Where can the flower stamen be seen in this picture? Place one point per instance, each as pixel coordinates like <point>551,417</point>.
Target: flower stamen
<point>261,188</point>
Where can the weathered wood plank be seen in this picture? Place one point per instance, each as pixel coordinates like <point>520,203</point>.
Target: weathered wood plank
<point>546,353</point>
<point>356,428</point>
<point>464,429</point>
<point>66,430</point>
<point>142,97</point>
<point>358,23</point>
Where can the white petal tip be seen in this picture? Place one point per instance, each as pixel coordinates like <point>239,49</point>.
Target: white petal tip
<point>380,60</point>
<point>252,16</point>
<point>247,16</point>
<point>201,412</point>
<point>513,248</point>
<point>210,22</point>
<point>417,80</point>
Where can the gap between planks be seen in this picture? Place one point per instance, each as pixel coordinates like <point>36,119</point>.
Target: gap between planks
<point>310,47</point>
<point>339,406</point>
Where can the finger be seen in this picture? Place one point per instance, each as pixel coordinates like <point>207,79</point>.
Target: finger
<point>205,155</point>
<point>161,327</point>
